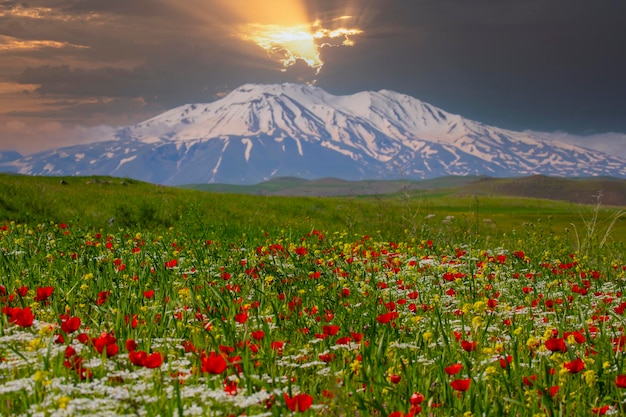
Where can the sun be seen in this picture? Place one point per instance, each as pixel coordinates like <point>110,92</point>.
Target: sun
<point>288,44</point>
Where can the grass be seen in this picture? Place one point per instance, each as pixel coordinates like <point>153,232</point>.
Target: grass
<point>103,202</point>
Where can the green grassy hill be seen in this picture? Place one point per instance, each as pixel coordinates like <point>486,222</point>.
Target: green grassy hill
<point>474,208</point>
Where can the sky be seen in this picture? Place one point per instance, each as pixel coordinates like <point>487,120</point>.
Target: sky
<point>71,71</point>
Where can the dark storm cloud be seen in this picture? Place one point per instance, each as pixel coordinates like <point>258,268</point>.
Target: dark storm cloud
<point>179,75</point>
<point>532,64</point>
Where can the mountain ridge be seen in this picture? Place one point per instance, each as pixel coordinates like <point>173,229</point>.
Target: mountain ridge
<point>258,132</point>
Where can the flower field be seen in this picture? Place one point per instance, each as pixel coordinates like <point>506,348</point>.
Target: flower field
<point>132,322</point>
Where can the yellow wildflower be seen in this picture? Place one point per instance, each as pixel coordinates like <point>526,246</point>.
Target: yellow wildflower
<point>63,401</point>
<point>477,321</point>
<point>35,344</point>
<point>355,366</point>
<point>42,377</point>
<point>590,377</point>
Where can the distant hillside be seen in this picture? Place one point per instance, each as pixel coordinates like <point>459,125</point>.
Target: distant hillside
<point>326,187</point>
<point>612,191</point>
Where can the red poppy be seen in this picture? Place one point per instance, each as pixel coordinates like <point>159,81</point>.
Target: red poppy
<point>106,342</point>
<point>241,317</point>
<point>43,293</point>
<point>213,363</point>
<point>299,402</point>
<point>170,264</point>
<point>505,361</point>
<point>330,330</point>
<point>575,366</point>
<point>22,291</point>
<point>188,346</point>
<point>227,350</point>
<point>70,324</point>
<point>356,336</point>
<point>529,380</point>
<point>461,384</point>
<point>395,379</point>
<point>600,411</point>
<point>277,346</point>
<point>579,337</point>
<point>387,317</point>
<point>453,369</point>
<point>69,352</point>
<point>230,387</point>
<point>343,340</point>
<point>132,320</point>
<point>137,357</point>
<point>131,345</point>
<point>556,344</point>
<point>153,360</point>
<point>102,297</point>
<point>620,381</point>
<point>235,362</point>
<point>417,398</point>
<point>140,358</point>
<point>258,334</point>
<point>148,294</point>
<point>448,276</point>
<point>468,346</point>
<point>23,317</point>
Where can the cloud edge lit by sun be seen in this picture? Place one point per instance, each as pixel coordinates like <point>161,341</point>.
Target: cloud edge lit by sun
<point>303,42</point>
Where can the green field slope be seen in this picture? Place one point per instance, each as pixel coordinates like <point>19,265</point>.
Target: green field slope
<point>476,208</point>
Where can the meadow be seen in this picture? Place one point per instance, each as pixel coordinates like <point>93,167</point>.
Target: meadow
<point>125,298</point>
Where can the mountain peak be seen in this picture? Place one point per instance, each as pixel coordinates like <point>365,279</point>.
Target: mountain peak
<point>287,89</point>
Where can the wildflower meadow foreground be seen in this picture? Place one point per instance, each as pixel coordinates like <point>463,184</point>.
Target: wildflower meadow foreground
<point>130,322</point>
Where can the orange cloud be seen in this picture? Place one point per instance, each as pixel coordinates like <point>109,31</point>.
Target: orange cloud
<point>9,43</point>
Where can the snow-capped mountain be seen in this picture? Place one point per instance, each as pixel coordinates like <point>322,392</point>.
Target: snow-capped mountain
<point>262,131</point>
